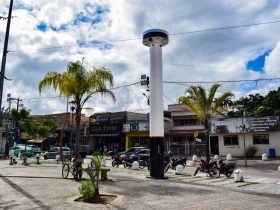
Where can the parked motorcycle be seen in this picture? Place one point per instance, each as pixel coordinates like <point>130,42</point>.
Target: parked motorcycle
<point>226,168</point>
<point>117,160</point>
<point>173,162</point>
<point>210,168</point>
<point>127,163</point>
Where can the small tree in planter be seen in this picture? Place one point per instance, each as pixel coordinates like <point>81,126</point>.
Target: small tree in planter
<point>89,188</point>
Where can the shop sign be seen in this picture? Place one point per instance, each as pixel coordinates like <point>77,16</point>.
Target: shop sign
<point>252,124</point>
<point>263,124</point>
<point>105,129</point>
<point>135,127</point>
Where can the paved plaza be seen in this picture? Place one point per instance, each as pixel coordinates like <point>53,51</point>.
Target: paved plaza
<point>42,187</point>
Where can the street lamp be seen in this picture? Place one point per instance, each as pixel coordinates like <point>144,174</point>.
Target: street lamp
<point>72,108</point>
<point>148,98</point>
<point>243,130</point>
<point>155,39</point>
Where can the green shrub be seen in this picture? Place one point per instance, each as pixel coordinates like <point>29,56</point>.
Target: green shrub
<point>87,189</point>
<point>90,187</point>
<point>251,151</point>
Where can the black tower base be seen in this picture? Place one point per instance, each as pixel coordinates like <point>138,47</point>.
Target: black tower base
<point>156,158</point>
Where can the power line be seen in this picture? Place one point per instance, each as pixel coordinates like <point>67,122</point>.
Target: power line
<point>122,86</point>
<point>225,28</point>
<point>43,98</point>
<point>166,82</point>
<point>223,81</point>
<point>137,38</point>
<point>63,97</point>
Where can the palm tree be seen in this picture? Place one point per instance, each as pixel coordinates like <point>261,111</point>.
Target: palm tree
<point>205,107</point>
<point>80,84</point>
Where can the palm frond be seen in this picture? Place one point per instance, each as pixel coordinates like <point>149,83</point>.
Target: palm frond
<point>212,93</point>
<point>51,79</point>
<point>219,101</point>
<point>193,106</point>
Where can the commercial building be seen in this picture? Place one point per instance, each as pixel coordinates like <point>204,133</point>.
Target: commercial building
<point>230,134</point>
<point>186,135</point>
<point>118,130</point>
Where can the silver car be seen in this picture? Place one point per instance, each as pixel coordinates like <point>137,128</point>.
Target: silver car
<point>35,149</point>
<point>54,151</point>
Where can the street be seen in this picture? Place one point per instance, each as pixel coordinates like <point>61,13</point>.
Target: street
<point>42,187</point>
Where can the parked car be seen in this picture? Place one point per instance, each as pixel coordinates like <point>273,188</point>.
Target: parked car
<point>35,149</point>
<point>54,151</point>
<point>19,149</point>
<point>142,154</point>
<point>131,151</point>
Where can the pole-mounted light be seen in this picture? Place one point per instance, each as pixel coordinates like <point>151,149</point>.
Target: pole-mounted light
<point>155,39</point>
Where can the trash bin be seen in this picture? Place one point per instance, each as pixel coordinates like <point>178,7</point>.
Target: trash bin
<point>272,153</point>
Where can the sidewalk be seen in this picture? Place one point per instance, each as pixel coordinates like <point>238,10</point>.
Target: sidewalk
<point>42,187</point>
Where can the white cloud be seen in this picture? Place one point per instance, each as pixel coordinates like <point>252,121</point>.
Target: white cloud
<point>272,62</point>
<point>209,56</point>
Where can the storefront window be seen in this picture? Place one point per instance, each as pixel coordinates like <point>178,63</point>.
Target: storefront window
<point>181,121</point>
<point>231,140</point>
<point>261,139</point>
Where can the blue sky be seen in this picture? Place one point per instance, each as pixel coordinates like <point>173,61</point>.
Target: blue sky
<point>258,63</point>
<point>108,34</point>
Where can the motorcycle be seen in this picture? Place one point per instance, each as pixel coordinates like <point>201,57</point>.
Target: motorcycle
<point>117,160</point>
<point>210,168</point>
<point>226,168</point>
<point>173,162</point>
<point>127,163</point>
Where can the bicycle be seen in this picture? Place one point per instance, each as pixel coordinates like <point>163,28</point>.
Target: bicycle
<point>73,166</point>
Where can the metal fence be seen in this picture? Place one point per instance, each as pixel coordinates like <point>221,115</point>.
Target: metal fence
<point>186,149</point>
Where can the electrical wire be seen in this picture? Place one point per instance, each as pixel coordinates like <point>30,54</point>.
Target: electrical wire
<point>63,97</point>
<point>137,38</point>
<point>139,103</point>
<point>225,28</point>
<point>223,81</point>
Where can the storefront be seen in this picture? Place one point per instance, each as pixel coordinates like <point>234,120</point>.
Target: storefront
<point>233,133</point>
<point>136,134</point>
<point>107,135</point>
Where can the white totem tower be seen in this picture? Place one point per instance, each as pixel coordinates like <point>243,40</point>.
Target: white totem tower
<point>155,39</point>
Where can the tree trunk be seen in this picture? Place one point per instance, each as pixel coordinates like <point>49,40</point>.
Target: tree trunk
<point>96,192</point>
<point>61,137</point>
<point>206,126</point>
<point>78,125</point>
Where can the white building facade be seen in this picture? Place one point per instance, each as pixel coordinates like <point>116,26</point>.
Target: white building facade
<point>229,135</point>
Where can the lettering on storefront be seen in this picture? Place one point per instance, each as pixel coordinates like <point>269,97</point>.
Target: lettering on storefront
<point>263,124</point>
<point>105,129</point>
<point>252,124</point>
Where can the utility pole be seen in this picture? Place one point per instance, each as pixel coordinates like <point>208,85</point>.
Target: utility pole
<point>5,51</point>
<point>243,127</point>
<point>16,123</point>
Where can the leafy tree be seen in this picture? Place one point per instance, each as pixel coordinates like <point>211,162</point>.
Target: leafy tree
<point>31,126</point>
<point>21,114</point>
<point>47,126</point>
<point>250,105</point>
<point>205,106</point>
<point>80,84</point>
<point>270,104</point>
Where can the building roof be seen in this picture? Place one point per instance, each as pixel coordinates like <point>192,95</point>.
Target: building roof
<point>61,118</point>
